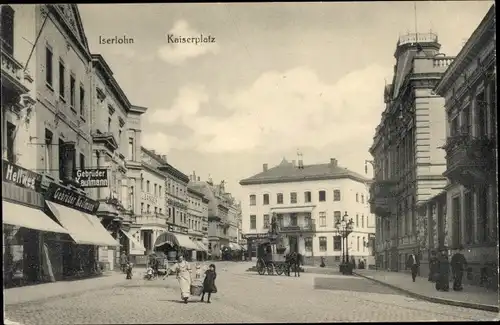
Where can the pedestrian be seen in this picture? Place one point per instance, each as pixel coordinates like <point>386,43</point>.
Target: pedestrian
<point>412,263</point>
<point>443,279</point>
<point>322,262</point>
<point>433,266</point>
<point>182,269</point>
<point>209,283</point>
<point>123,261</point>
<point>458,264</point>
<point>129,271</point>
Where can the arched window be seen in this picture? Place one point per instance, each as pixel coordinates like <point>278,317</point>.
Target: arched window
<point>336,195</point>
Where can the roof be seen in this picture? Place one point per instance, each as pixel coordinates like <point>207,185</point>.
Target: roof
<point>287,172</point>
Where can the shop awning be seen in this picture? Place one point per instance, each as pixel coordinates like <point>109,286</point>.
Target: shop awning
<point>305,209</point>
<point>235,247</point>
<point>80,227</point>
<point>202,247</point>
<point>23,216</point>
<point>135,245</point>
<point>175,239</point>
<point>101,231</point>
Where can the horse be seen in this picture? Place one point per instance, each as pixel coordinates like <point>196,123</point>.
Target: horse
<point>293,261</point>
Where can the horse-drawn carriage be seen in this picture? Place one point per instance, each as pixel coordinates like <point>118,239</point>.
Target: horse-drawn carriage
<point>268,259</point>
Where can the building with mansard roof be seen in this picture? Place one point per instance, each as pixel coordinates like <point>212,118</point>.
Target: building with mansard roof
<point>307,201</point>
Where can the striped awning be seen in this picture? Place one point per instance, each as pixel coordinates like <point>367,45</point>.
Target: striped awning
<point>175,240</point>
<point>202,246</point>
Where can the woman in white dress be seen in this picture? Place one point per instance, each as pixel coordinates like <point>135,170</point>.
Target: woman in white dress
<point>182,269</point>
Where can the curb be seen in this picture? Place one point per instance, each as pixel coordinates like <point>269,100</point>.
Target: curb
<point>450,302</point>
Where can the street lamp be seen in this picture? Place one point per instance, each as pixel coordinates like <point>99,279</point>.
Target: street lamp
<point>344,228</point>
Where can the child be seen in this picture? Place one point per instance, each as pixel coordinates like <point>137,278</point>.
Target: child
<point>198,271</point>
<point>209,283</point>
<point>129,271</point>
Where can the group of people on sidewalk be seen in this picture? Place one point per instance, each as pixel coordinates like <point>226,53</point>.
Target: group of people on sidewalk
<point>439,269</point>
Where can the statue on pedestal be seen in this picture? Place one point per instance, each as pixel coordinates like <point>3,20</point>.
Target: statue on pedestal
<point>274,225</point>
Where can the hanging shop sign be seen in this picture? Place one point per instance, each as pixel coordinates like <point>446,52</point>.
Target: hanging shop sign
<point>71,199</point>
<point>90,178</point>
<point>20,176</point>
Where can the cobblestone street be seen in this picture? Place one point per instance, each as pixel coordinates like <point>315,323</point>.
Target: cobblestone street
<point>242,297</point>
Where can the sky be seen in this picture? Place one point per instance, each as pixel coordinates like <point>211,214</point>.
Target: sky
<point>278,78</point>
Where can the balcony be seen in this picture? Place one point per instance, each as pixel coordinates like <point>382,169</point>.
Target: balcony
<point>381,197</point>
<point>13,75</point>
<point>150,219</point>
<point>299,228</point>
<point>470,160</point>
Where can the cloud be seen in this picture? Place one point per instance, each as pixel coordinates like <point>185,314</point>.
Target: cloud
<point>178,53</point>
<point>283,110</point>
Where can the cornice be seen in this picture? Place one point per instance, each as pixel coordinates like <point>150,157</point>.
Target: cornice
<point>298,179</point>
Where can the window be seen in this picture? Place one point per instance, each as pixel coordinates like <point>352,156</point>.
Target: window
<point>293,219</point>
<point>469,217</point>
<point>72,90</point>
<point>156,210</point>
<point>454,126</point>
<point>483,227</point>
<point>253,222</point>
<point>482,115</point>
<point>155,189</point>
<point>362,221</point>
<point>148,208</point>
<point>82,161</point>
<point>266,221</point>
<point>142,207</point>
<point>279,198</point>
<point>48,67</point>
<point>337,215</point>
<point>82,103</point>
<point>308,243</point>
<point>61,159</point>
<point>265,199</point>
<point>357,243</point>
<point>62,85</point>
<point>362,198</point>
<point>336,195</point>
<point>48,151</point>
<point>293,197</point>
<point>322,219</point>
<point>253,199</point>
<point>364,243</point>
<point>131,148</point>
<point>159,190</point>
<point>147,186</point>
<point>119,138</point>
<point>357,197</point>
<point>357,220</point>
<point>322,196</point>
<point>7,32</point>
<point>337,243</point>
<point>322,244</point>
<point>109,124</point>
<point>11,135</point>
<point>307,197</point>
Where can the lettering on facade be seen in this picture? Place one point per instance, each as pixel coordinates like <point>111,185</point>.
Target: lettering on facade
<point>69,198</point>
<point>21,176</point>
<point>149,197</point>
<point>89,178</point>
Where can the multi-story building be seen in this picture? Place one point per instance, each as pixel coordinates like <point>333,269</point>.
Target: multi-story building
<point>152,220</point>
<point>48,140</point>
<point>470,220</point>
<point>177,197</point>
<point>408,164</point>
<point>197,221</point>
<point>109,116</point>
<point>308,201</point>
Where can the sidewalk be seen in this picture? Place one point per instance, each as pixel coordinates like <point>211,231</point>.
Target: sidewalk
<point>13,296</point>
<point>471,297</point>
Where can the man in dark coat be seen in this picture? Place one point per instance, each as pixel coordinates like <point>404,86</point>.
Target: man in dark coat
<point>413,264</point>
<point>458,264</point>
<point>433,266</point>
<point>443,281</point>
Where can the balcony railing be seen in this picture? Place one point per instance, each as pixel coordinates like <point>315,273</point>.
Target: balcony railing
<point>470,160</point>
<point>13,71</point>
<point>304,227</point>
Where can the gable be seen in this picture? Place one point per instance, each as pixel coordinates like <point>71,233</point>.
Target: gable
<point>71,16</point>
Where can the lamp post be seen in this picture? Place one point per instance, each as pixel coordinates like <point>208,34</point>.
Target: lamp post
<point>344,227</point>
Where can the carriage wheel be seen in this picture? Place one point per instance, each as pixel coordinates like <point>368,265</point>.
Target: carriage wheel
<point>280,269</point>
<point>261,269</point>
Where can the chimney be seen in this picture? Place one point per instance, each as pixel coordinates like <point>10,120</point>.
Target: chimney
<point>294,163</point>
<point>264,167</point>
<point>333,162</point>
<point>164,157</point>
